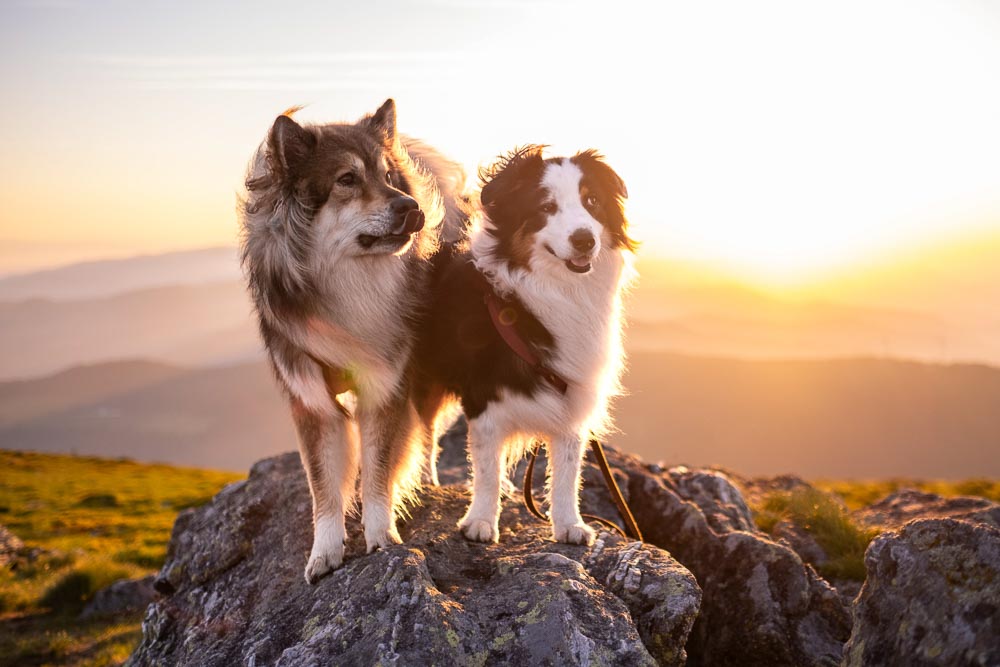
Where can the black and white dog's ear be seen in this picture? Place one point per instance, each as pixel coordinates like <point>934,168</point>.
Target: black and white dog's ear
<point>290,146</point>
<point>383,121</point>
<point>593,162</point>
<point>509,173</point>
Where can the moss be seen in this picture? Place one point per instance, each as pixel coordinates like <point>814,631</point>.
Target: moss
<point>500,640</point>
<point>827,521</point>
<point>452,637</point>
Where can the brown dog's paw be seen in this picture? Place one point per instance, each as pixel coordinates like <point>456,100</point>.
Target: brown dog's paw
<point>380,539</point>
<point>323,562</point>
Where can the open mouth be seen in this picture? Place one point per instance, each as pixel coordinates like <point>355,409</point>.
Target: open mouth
<point>368,241</point>
<point>576,264</point>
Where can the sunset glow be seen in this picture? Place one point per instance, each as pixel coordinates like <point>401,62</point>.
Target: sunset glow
<point>779,140</point>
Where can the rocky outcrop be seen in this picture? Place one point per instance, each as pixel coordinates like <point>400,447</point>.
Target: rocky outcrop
<point>762,605</point>
<point>707,587</point>
<point>932,597</point>
<point>904,506</point>
<point>122,597</point>
<point>234,591</point>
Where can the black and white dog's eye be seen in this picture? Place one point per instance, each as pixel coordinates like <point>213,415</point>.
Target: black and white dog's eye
<point>548,208</point>
<point>347,179</point>
<point>591,201</point>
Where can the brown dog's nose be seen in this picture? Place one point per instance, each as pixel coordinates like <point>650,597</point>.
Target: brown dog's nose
<point>407,216</point>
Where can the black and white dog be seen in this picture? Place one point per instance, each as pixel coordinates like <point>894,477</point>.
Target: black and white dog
<point>525,326</point>
<point>339,224</point>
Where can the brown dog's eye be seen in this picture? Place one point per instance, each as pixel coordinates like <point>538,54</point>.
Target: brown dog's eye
<point>347,179</point>
<point>591,201</point>
<point>548,208</point>
<point>388,177</point>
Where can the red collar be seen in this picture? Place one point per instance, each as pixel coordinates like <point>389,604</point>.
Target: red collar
<point>504,317</point>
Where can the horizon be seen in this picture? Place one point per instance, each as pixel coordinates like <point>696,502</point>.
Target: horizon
<point>763,147</point>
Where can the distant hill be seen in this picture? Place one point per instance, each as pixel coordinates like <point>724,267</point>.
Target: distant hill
<point>857,418</point>
<point>206,324</point>
<point>223,418</point>
<point>88,280</point>
<point>212,323</point>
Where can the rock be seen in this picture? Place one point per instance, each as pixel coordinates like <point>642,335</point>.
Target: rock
<point>761,603</point>
<point>121,597</point>
<point>234,568</point>
<point>10,546</point>
<point>757,489</point>
<point>932,597</point>
<point>800,541</point>
<point>904,506</point>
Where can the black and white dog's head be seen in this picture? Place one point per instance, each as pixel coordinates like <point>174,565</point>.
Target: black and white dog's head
<point>560,211</point>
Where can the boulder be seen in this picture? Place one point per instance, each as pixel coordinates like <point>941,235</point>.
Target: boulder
<point>900,508</point>
<point>122,597</point>
<point>932,597</point>
<point>762,604</point>
<point>234,592</point>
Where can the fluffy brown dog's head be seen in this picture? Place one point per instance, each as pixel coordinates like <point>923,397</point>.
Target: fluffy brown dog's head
<point>347,182</point>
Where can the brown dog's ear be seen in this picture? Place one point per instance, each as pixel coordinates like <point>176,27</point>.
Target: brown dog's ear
<point>290,146</point>
<point>384,120</point>
<point>509,172</point>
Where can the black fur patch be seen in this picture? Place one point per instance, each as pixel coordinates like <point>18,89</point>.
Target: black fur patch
<point>461,351</point>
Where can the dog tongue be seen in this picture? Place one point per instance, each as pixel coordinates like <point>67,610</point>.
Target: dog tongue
<point>580,261</point>
<point>413,222</point>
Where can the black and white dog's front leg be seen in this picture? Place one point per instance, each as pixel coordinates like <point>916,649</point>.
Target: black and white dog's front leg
<point>482,520</point>
<point>565,460</point>
<point>328,446</point>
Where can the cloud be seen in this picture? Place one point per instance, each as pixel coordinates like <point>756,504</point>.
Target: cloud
<point>311,71</point>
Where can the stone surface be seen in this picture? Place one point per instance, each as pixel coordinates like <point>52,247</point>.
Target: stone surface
<point>761,603</point>
<point>10,546</point>
<point>904,506</point>
<point>234,591</point>
<point>125,596</point>
<point>932,597</point>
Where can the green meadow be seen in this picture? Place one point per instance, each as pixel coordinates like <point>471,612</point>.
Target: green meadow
<point>85,522</point>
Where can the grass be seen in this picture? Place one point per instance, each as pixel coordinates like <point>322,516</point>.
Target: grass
<point>858,494</point>
<point>823,512</point>
<point>822,516</point>
<point>89,522</point>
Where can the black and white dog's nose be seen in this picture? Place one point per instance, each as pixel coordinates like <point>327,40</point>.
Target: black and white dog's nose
<point>407,216</point>
<point>582,240</point>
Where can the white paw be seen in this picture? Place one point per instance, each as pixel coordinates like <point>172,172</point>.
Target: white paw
<point>381,539</point>
<point>323,560</point>
<point>479,530</point>
<point>573,533</point>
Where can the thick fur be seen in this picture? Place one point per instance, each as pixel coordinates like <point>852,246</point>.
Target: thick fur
<point>564,298</point>
<point>339,282</point>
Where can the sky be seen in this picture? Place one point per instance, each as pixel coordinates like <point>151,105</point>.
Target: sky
<point>778,139</point>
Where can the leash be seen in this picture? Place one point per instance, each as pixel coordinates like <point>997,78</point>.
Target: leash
<point>504,317</point>
<point>631,527</point>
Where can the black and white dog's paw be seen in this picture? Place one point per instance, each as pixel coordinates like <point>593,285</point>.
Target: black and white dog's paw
<point>574,533</point>
<point>479,530</point>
